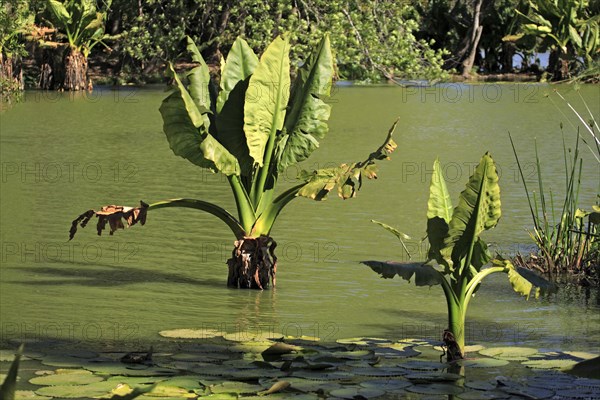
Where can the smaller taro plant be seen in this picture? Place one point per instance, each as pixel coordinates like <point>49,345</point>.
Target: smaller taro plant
<point>457,254</point>
<point>251,129</point>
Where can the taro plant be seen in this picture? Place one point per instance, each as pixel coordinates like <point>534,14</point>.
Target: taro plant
<point>250,130</point>
<point>457,254</point>
<point>79,25</point>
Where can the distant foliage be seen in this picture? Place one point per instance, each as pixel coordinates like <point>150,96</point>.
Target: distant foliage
<point>372,39</point>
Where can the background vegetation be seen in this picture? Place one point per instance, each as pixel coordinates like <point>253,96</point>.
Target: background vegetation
<point>372,39</point>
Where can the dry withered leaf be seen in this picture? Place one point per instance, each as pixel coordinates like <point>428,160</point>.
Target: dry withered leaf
<point>113,215</point>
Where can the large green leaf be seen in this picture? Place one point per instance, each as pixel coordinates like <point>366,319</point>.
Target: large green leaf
<point>188,136</point>
<point>424,274</point>
<point>235,76</point>
<point>347,177</point>
<point>199,78</point>
<point>439,203</point>
<point>478,209</point>
<point>240,64</point>
<point>60,12</point>
<point>524,281</point>
<point>266,98</point>
<point>306,120</point>
<point>439,213</point>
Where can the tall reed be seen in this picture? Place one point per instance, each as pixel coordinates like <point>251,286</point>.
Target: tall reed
<point>567,237</point>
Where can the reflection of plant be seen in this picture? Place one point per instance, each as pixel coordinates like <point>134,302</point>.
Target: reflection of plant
<point>455,245</point>
<point>250,131</point>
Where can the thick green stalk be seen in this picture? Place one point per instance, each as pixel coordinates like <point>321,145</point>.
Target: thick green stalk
<point>210,208</point>
<point>243,203</point>
<point>456,320</point>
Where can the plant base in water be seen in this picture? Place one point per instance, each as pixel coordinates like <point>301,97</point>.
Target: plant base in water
<point>76,67</point>
<point>253,263</point>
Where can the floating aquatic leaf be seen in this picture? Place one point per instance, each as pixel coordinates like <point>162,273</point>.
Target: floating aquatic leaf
<point>235,387</point>
<point>436,388</point>
<point>524,391</point>
<point>429,377</point>
<point>481,395</point>
<point>396,350</point>
<point>29,395</point>
<point>191,333</point>
<point>320,376</point>
<point>63,361</point>
<point>164,390</point>
<point>136,380</point>
<point>354,355</point>
<point>245,336</point>
<point>473,348</point>
<point>550,363</point>
<point>430,352</point>
<point>379,371</point>
<point>483,362</point>
<point>66,377</point>
<point>357,392</point>
<point>419,365</point>
<point>509,353</point>
<point>364,341</point>
<point>481,385</point>
<point>96,389</point>
<point>387,385</point>
<point>116,368</point>
<point>577,393</point>
<point>307,385</point>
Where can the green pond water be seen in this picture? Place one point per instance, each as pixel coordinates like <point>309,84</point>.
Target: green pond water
<point>62,154</point>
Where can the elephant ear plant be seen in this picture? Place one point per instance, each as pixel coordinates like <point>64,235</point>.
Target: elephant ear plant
<point>457,254</point>
<point>257,125</point>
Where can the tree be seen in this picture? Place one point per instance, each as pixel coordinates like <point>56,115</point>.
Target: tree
<point>251,130</point>
<point>15,21</point>
<point>79,26</point>
<point>372,39</point>
<point>569,29</point>
<point>458,250</point>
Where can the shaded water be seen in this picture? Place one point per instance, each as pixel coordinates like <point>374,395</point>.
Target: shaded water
<point>62,154</point>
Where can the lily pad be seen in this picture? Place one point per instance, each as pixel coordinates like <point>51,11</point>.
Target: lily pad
<point>307,385</point>
<point>387,385</point>
<point>484,362</point>
<point>191,333</point>
<point>245,336</point>
<point>364,341</point>
<point>481,385</point>
<point>430,377</point>
<point>481,395</point>
<point>419,365</point>
<point>550,363</point>
<point>96,389</point>
<point>63,361</point>
<point>525,391</point>
<point>235,388</point>
<point>436,388</point>
<point>29,395</point>
<point>354,355</point>
<point>379,371</point>
<point>357,392</point>
<point>509,353</point>
<point>66,377</point>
